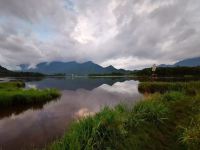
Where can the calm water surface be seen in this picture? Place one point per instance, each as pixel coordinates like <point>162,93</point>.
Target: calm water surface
<point>34,126</point>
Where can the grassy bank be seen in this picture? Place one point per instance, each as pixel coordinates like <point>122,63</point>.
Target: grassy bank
<point>11,85</point>
<point>13,93</point>
<point>162,87</point>
<point>170,120</point>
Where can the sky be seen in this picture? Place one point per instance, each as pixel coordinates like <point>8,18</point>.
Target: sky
<point>129,34</point>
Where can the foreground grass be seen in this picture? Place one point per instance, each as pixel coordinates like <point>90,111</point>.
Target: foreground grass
<point>170,120</point>
<point>13,93</point>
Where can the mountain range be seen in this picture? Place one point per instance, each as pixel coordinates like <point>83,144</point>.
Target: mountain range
<point>190,62</point>
<point>85,68</point>
<point>69,68</point>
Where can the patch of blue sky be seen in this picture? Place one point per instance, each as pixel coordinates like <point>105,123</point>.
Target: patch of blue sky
<point>69,5</point>
<point>2,19</point>
<point>43,31</point>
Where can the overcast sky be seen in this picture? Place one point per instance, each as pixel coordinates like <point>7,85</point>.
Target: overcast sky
<point>128,34</point>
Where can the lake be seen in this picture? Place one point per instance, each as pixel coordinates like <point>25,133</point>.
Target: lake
<point>35,126</point>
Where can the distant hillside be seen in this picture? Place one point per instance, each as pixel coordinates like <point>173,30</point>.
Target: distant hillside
<point>3,70</point>
<point>7,73</point>
<point>69,68</point>
<point>191,62</point>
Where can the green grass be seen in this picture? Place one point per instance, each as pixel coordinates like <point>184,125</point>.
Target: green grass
<point>13,93</point>
<point>11,85</point>
<point>150,110</point>
<point>162,87</point>
<point>166,120</point>
<point>191,134</point>
<point>117,128</point>
<point>190,130</point>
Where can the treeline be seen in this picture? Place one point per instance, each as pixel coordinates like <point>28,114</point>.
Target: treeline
<point>170,71</point>
<point>57,74</point>
<point>7,73</point>
<point>21,74</point>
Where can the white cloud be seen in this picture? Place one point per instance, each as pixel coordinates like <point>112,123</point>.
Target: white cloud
<point>129,62</point>
<point>125,33</point>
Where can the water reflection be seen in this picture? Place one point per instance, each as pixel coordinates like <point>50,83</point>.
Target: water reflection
<point>13,111</point>
<point>73,84</point>
<point>83,112</point>
<point>80,97</point>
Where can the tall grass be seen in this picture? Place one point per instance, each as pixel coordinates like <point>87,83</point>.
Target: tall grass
<point>153,123</point>
<point>151,111</point>
<point>104,131</point>
<point>162,87</point>
<point>191,134</point>
<point>112,128</point>
<point>12,85</point>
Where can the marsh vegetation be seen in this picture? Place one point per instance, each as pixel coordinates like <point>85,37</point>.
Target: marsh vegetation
<point>14,93</point>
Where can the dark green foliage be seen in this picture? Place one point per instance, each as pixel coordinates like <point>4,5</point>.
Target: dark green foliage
<point>171,71</point>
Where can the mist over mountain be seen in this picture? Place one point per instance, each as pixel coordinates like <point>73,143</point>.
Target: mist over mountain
<point>71,67</point>
<point>190,62</point>
<point>8,73</point>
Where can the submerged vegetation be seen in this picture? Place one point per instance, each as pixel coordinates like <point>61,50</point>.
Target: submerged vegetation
<point>169,118</point>
<point>13,93</point>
